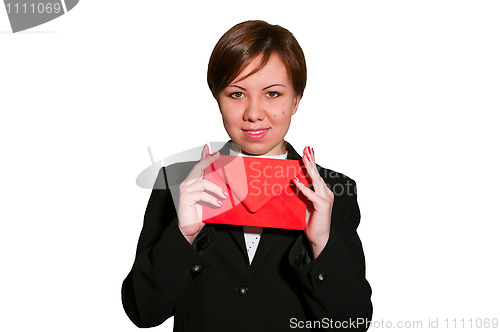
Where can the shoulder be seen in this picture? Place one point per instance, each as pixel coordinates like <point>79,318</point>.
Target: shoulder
<point>345,213</point>
<point>338,183</point>
<point>345,219</point>
<point>173,174</point>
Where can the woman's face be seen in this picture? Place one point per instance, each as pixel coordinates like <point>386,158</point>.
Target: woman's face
<point>257,111</point>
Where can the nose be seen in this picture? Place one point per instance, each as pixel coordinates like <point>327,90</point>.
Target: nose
<point>253,111</point>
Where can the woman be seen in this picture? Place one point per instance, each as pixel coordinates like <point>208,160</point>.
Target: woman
<point>211,277</point>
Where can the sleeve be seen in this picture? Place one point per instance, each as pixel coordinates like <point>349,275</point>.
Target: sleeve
<point>163,265</point>
<point>334,283</point>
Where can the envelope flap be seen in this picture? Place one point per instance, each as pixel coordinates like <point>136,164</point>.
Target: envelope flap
<point>267,179</point>
<point>256,181</point>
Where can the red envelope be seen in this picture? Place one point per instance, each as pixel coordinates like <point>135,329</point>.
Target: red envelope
<point>261,192</point>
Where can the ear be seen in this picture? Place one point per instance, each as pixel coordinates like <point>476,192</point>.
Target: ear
<point>296,101</point>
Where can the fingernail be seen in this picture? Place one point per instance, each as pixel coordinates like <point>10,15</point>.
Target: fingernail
<point>308,157</point>
<point>219,202</point>
<point>296,178</point>
<point>225,193</point>
<point>313,150</point>
<point>213,154</point>
<point>309,149</point>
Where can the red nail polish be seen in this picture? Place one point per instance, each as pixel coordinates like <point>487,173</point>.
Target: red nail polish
<point>225,193</point>
<point>296,178</point>
<point>313,150</point>
<point>308,157</point>
<point>220,203</point>
<point>309,149</point>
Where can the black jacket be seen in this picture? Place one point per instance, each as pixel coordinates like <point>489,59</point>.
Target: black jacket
<point>210,286</point>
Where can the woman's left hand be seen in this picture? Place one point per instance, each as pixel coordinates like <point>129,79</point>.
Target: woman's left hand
<point>319,212</point>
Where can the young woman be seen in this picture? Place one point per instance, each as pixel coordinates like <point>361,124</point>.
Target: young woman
<point>215,277</point>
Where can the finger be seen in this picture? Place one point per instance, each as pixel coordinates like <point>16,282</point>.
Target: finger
<point>311,195</point>
<point>201,196</point>
<point>208,186</point>
<point>205,162</point>
<point>316,180</point>
<point>205,151</point>
<point>197,171</point>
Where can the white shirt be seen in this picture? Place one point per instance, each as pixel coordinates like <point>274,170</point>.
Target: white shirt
<point>252,233</point>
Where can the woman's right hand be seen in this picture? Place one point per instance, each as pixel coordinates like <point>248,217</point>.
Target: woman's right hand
<point>194,191</point>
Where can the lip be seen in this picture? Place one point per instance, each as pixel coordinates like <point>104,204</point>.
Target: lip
<point>256,136</point>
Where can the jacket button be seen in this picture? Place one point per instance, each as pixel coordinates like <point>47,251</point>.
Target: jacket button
<point>196,269</point>
<point>243,291</point>
<point>321,277</point>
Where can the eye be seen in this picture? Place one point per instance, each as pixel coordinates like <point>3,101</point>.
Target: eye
<point>273,94</point>
<point>236,95</point>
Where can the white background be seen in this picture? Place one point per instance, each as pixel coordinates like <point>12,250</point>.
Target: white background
<point>402,96</point>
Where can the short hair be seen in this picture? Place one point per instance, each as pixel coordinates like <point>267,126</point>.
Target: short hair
<point>247,40</point>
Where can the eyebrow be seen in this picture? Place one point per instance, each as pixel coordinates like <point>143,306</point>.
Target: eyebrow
<point>277,84</point>
<point>236,86</point>
<point>267,87</point>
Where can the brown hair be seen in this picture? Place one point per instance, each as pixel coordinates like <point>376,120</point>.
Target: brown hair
<point>247,40</point>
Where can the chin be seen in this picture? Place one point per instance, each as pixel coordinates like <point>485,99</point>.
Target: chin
<point>252,151</point>
<point>255,150</point>
<point>250,148</point>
